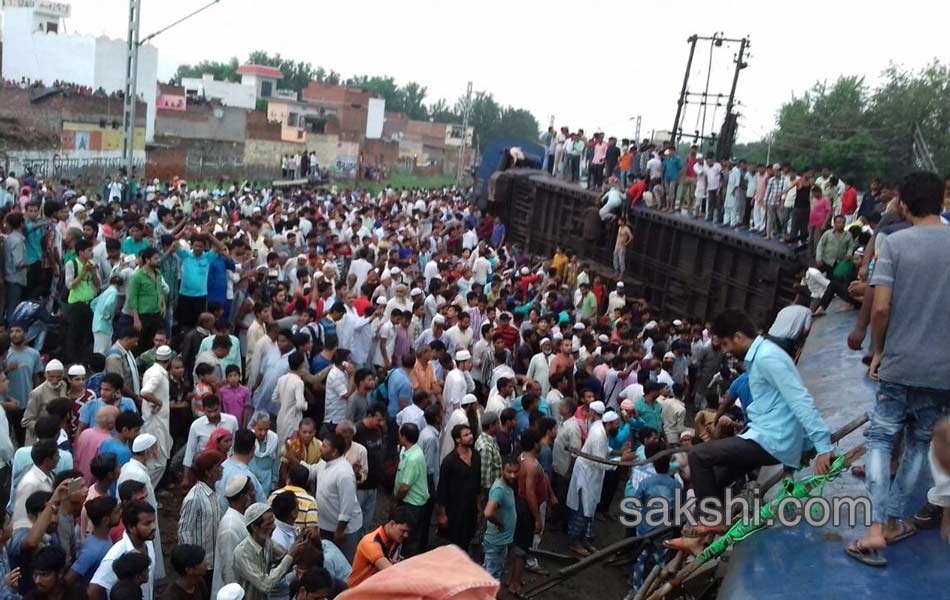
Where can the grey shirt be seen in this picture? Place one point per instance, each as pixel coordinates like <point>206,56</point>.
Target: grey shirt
<point>791,322</point>
<point>14,267</point>
<point>913,263</point>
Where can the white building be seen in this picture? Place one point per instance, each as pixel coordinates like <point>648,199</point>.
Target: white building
<point>375,117</point>
<point>257,81</point>
<point>34,49</point>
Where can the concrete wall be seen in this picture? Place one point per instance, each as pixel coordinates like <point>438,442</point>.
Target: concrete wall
<point>204,121</point>
<point>228,92</point>
<point>65,135</point>
<point>80,59</point>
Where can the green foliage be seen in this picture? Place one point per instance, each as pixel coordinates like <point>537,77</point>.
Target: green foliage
<point>225,71</point>
<point>405,179</point>
<point>859,132</point>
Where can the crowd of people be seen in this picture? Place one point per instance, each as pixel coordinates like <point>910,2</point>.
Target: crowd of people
<point>336,381</point>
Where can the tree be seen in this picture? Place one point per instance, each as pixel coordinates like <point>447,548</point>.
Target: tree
<point>860,133</point>
<point>413,98</point>
<point>223,71</point>
<point>440,112</point>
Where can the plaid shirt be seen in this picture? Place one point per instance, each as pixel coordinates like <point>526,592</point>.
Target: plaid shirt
<point>491,459</point>
<point>773,190</point>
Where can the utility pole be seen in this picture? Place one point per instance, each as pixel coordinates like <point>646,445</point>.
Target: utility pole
<point>131,87</point>
<point>465,118</point>
<point>682,100</point>
<point>729,130</point>
<point>131,75</point>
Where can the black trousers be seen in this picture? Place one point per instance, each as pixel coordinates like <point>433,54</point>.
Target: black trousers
<point>78,342</point>
<point>837,287</point>
<point>608,490</point>
<point>799,224</point>
<point>717,464</point>
<point>597,175</point>
<point>150,325</point>
<point>189,307</point>
<point>418,529</point>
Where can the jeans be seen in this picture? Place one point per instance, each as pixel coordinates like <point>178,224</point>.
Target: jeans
<point>620,263</point>
<point>367,500</point>
<point>913,412</point>
<point>78,319</point>
<point>711,204</point>
<point>14,295</point>
<point>495,561</point>
<point>597,175</point>
<point>799,232</point>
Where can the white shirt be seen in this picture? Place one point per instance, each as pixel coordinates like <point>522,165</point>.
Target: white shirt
<point>457,384</point>
<point>288,396</point>
<point>105,577</point>
<point>200,432</point>
<point>480,270</point>
<point>338,382</point>
<point>469,240</point>
<point>411,414</point>
<point>34,480</point>
<point>462,339</point>
<point>655,166</point>
<point>361,268</point>
<point>336,495</point>
<point>387,334</point>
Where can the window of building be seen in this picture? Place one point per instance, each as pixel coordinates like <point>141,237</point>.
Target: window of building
<point>267,89</point>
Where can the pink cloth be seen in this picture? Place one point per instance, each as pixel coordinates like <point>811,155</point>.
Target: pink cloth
<point>440,574</point>
<point>234,400</point>
<point>87,447</point>
<point>819,212</point>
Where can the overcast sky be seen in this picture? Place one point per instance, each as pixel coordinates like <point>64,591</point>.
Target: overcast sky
<point>589,63</point>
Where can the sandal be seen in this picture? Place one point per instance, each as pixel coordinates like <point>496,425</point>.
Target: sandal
<point>906,530</point>
<point>868,556</point>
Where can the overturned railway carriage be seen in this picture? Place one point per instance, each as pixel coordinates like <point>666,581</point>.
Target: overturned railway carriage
<point>682,266</point>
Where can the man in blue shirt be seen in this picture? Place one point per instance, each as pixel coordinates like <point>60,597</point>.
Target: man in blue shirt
<point>195,264</point>
<point>780,419</point>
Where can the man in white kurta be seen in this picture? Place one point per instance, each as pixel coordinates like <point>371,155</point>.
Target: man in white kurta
<point>239,492</point>
<point>459,416</point>
<point>587,479</point>
<point>289,396</point>
<point>144,451</point>
<point>155,411</point>
<point>458,381</point>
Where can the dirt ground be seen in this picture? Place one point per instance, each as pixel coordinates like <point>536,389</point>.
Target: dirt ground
<point>608,583</point>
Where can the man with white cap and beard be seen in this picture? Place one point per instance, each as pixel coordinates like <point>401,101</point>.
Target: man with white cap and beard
<point>239,492</point>
<point>54,387</point>
<point>587,479</point>
<point>255,555</point>
<point>144,451</point>
<point>464,413</point>
<point>155,410</point>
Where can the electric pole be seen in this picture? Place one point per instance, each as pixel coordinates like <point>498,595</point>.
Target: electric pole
<point>131,91</point>
<point>682,100</point>
<point>132,72</point>
<point>465,117</point>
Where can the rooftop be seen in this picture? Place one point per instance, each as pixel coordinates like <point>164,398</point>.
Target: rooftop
<point>260,71</point>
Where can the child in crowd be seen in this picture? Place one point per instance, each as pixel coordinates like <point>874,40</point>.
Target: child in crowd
<point>205,386</point>
<point>235,397</point>
<point>131,572</point>
<point>188,561</point>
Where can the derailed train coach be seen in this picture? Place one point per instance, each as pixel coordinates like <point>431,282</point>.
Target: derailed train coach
<point>681,265</point>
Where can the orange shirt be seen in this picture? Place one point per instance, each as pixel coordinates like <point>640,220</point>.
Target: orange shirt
<point>626,161</point>
<point>423,378</point>
<point>374,546</point>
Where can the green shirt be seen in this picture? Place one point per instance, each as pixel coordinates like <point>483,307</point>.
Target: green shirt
<point>145,294</point>
<point>412,472</point>
<point>502,494</point>
<point>589,306</point>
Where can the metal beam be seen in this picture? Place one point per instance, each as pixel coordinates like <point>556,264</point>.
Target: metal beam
<point>131,85</point>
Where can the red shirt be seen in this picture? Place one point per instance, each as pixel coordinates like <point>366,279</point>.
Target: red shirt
<point>849,202</point>
<point>509,334</point>
<point>690,163</point>
<point>636,192</point>
<point>361,304</point>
